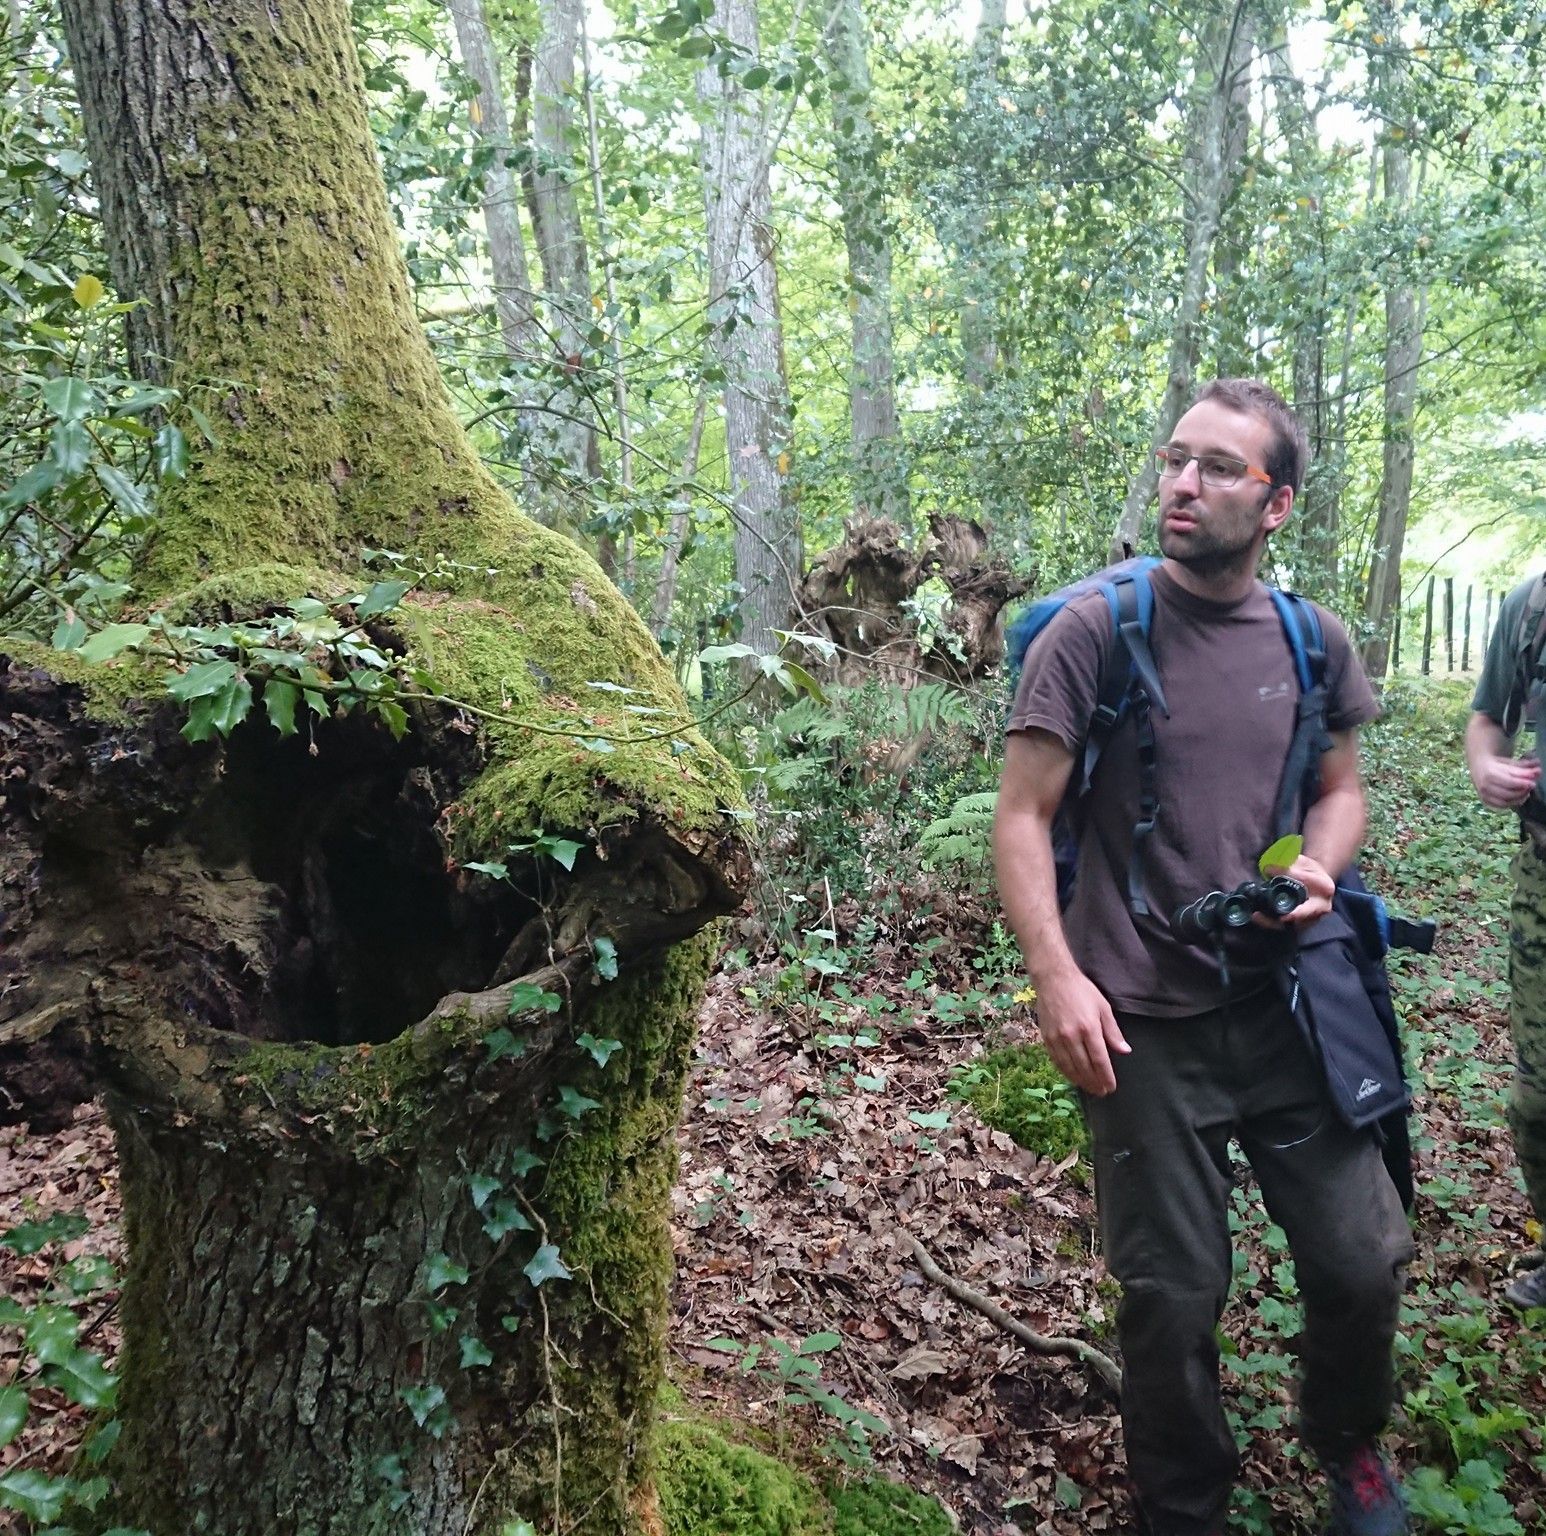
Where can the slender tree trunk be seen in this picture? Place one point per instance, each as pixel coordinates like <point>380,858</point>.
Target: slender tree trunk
<point>514,296</point>
<point>513,292</point>
<point>1318,508</point>
<point>749,341</point>
<point>561,240</point>
<point>1231,321</point>
<point>1220,57</point>
<point>978,317</point>
<point>1403,354</point>
<point>398,1248</point>
<point>879,466</point>
<point>681,512</point>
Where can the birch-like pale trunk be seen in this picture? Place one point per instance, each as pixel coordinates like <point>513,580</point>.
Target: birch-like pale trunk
<point>681,513</point>
<point>501,194</point>
<point>1220,57</point>
<point>561,248</point>
<point>979,344</point>
<point>879,464</point>
<point>1232,322</point>
<point>1318,509</point>
<point>1403,354</point>
<point>748,340</point>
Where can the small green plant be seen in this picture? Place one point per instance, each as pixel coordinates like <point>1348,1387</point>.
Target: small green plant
<point>53,1366</point>
<point>1017,1090</point>
<point>1471,1503</point>
<point>795,1369</point>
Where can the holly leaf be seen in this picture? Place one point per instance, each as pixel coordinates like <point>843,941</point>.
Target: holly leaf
<point>546,1265</point>
<point>51,1334</point>
<point>279,699</point>
<point>84,1379</point>
<point>113,641</point>
<point>70,398</point>
<point>1282,853</point>
<point>197,682</point>
<point>69,632</point>
<point>13,1414</point>
<point>220,711</point>
<point>171,449</point>
<point>30,1236</point>
<point>382,598</point>
<point>35,1494</point>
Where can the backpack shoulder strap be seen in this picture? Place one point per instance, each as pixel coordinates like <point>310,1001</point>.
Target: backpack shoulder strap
<point>1299,787</point>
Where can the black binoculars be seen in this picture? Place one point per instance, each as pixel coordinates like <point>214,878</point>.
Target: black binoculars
<point>1218,911</point>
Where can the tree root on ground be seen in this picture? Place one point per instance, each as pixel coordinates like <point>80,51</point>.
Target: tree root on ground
<point>1100,1365</point>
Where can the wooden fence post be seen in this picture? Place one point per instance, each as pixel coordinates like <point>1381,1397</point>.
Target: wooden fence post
<point>1487,622</point>
<point>1449,623</point>
<point>1395,641</point>
<point>1428,631</point>
<point>1465,633</point>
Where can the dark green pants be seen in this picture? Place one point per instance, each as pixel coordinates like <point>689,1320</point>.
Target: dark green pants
<point>1527,1019</point>
<point>1162,1183</point>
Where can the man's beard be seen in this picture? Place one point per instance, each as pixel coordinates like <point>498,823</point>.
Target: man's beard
<point>1210,556</point>
<point>1209,551</point>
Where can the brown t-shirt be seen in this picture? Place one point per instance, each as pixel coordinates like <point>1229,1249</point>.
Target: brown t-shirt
<point>1228,677</point>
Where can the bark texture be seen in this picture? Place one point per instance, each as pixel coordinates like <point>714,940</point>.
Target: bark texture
<point>879,462</point>
<point>387,1271</point>
<point>560,235</point>
<point>513,291</point>
<point>1317,510</point>
<point>749,340</point>
<point>1403,355</point>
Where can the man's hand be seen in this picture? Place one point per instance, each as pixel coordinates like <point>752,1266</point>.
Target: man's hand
<point>1080,1032</point>
<point>1320,887</point>
<point>1504,783</point>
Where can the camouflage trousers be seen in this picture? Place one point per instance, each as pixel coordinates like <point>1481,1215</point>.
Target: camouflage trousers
<point>1527,1019</point>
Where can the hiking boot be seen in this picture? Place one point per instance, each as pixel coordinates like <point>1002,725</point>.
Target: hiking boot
<point>1365,1496</point>
<point>1527,1289</point>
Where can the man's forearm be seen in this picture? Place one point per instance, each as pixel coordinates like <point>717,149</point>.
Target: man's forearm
<point>1484,739</point>
<point>1027,883</point>
<point>1334,828</point>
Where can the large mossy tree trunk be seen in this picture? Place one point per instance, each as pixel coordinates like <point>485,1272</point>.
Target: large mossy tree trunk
<point>396,1137</point>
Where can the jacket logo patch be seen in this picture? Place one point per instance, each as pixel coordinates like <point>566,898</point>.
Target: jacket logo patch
<point>1365,1088</point>
<point>1269,691</point>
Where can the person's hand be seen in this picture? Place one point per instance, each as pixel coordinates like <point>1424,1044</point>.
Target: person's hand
<point>1320,889</point>
<point>1504,783</point>
<point>1080,1032</point>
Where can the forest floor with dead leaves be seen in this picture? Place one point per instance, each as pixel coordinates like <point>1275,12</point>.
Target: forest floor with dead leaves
<point>821,1140</point>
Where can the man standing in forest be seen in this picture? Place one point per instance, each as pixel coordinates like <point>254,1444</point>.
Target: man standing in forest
<point>1508,694</point>
<point>1174,1051</point>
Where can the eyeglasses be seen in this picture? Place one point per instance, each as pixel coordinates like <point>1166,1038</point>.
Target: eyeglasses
<point>1215,469</point>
